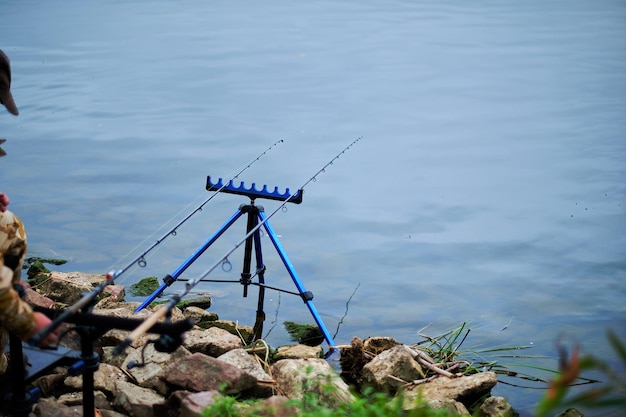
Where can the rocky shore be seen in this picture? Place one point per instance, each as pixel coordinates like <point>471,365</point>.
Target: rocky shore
<point>215,359</point>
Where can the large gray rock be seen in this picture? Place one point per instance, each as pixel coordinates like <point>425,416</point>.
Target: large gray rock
<point>246,362</point>
<point>212,342</point>
<point>145,366</point>
<point>391,369</point>
<point>252,366</point>
<point>297,377</point>
<point>135,400</point>
<point>465,389</point>
<point>199,372</point>
<point>68,286</point>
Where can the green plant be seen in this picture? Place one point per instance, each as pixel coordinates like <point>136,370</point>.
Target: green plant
<point>369,404</point>
<point>612,393</point>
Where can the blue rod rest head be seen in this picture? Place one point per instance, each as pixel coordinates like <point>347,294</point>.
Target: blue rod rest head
<point>252,192</point>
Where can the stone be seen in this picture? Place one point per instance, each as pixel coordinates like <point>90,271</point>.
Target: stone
<point>191,381</point>
<point>67,286</point>
<point>201,301</point>
<point>72,399</point>
<point>194,404</point>
<point>109,356</point>
<point>135,400</point>
<point>298,352</point>
<point>447,404</point>
<point>213,341</point>
<point>200,317</point>
<point>147,364</point>
<point>104,379</point>
<point>391,369</point>
<point>34,298</point>
<point>199,372</point>
<point>251,365</point>
<point>126,310</point>
<point>246,362</point>
<point>274,406</point>
<point>497,407</point>
<point>570,412</point>
<point>234,328</point>
<point>113,294</point>
<point>297,377</point>
<point>50,385</point>
<point>465,389</point>
<point>49,407</point>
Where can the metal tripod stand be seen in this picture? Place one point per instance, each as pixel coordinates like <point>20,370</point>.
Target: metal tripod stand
<point>256,215</point>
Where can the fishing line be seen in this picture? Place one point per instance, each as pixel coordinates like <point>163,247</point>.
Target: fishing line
<point>193,282</point>
<point>141,260</point>
<point>166,308</point>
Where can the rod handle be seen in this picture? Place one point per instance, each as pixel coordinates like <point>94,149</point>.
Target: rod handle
<point>142,329</point>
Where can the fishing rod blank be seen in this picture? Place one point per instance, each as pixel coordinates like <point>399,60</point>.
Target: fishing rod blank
<point>88,299</point>
<point>140,260</point>
<point>166,308</point>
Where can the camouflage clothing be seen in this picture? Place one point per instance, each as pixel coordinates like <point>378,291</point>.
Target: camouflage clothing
<point>16,315</point>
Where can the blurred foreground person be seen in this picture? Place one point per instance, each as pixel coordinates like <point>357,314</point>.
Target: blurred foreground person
<point>16,315</point>
<point>5,84</point>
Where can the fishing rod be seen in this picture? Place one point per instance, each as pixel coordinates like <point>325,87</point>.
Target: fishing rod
<point>165,309</point>
<point>141,261</point>
<point>89,298</point>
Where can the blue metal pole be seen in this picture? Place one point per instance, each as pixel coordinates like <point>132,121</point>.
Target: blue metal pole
<point>296,280</point>
<point>191,259</point>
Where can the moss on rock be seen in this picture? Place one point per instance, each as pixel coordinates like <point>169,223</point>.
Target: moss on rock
<point>144,287</point>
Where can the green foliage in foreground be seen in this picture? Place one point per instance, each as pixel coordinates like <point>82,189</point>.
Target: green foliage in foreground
<point>612,394</point>
<point>368,405</point>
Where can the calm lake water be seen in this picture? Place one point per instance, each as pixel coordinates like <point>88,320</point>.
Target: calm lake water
<point>489,186</point>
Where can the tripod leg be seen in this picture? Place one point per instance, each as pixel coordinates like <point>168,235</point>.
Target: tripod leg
<point>260,267</point>
<point>246,274</point>
<point>306,295</point>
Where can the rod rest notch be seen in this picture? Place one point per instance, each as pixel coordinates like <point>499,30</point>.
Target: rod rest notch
<point>252,192</point>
